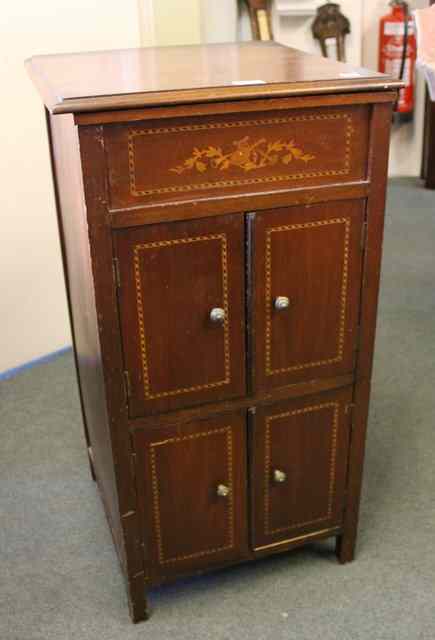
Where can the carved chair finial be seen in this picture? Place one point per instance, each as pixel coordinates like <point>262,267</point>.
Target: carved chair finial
<point>331,23</point>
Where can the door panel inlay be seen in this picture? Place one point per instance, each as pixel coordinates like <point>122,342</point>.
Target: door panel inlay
<point>149,394</point>
<point>307,291</point>
<point>299,466</point>
<point>343,299</point>
<point>334,406</point>
<point>155,447</point>
<point>181,302</point>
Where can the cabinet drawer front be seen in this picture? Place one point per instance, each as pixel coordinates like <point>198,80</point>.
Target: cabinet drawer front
<point>307,289</point>
<point>181,303</point>
<point>192,492</point>
<point>299,470</point>
<point>201,157</point>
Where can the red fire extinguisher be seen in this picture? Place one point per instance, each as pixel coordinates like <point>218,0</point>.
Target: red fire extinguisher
<point>398,53</point>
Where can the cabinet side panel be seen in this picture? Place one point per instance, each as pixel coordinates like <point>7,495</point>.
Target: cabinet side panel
<point>93,172</point>
<point>378,167</point>
<point>78,278</point>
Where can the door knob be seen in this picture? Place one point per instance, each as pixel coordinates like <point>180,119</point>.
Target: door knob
<point>217,315</point>
<point>279,476</point>
<point>281,303</point>
<point>222,490</point>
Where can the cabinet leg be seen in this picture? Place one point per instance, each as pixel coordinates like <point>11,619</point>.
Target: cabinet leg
<point>137,601</point>
<point>345,548</point>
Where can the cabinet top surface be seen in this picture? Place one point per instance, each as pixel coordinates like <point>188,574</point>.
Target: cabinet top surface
<point>101,80</point>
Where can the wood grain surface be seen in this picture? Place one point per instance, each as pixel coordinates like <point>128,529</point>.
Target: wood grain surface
<point>179,472</point>
<point>312,256</point>
<point>306,441</point>
<point>189,197</point>
<point>128,78</point>
<point>171,278</point>
<point>200,157</point>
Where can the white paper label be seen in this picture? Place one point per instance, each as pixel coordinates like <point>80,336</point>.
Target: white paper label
<point>398,28</point>
<point>351,74</point>
<point>241,83</point>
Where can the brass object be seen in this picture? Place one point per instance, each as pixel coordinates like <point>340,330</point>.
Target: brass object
<point>222,490</point>
<point>281,303</point>
<point>279,476</point>
<point>247,155</point>
<point>261,19</point>
<point>331,23</point>
<point>217,315</point>
<point>263,25</point>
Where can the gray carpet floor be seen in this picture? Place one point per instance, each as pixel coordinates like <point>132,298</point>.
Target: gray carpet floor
<point>59,577</point>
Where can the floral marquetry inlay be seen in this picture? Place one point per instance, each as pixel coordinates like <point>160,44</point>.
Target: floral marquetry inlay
<point>247,155</point>
<point>202,156</point>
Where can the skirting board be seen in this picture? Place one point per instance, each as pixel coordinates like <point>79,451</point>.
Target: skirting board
<point>11,373</point>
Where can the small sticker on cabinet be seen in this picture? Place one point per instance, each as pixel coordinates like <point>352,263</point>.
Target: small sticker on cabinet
<point>241,83</point>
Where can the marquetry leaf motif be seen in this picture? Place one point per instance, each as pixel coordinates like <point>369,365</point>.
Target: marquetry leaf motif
<point>295,174</point>
<point>247,155</point>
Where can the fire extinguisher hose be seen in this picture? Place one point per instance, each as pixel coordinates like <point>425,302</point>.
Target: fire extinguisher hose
<point>405,40</point>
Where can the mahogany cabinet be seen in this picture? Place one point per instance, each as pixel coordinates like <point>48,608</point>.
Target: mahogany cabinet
<point>220,212</point>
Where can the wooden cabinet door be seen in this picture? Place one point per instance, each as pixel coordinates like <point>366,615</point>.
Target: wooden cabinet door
<point>300,451</point>
<point>307,281</point>
<point>192,490</point>
<point>181,300</point>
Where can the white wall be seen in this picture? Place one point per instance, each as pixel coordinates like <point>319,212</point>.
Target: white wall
<point>219,20</point>
<point>147,22</point>
<point>177,21</point>
<point>33,311</point>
